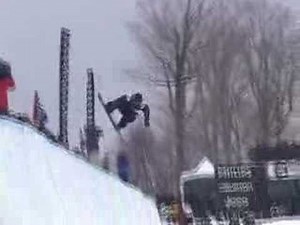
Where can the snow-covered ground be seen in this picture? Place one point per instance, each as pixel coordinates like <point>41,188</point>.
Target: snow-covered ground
<point>41,184</point>
<point>281,221</point>
<point>284,222</point>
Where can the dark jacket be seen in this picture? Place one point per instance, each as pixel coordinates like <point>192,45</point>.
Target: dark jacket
<point>123,167</point>
<point>5,69</point>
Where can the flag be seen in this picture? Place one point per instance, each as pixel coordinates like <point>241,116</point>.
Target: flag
<point>39,117</point>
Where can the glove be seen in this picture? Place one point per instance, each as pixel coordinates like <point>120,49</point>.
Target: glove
<point>147,123</point>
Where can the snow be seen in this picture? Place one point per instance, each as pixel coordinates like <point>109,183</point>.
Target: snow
<point>284,222</point>
<point>40,183</point>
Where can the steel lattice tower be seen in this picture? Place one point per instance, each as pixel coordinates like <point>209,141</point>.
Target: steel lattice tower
<point>64,85</point>
<point>90,99</point>
<point>92,132</point>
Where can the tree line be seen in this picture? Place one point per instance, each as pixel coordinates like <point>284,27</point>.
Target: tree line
<point>225,74</point>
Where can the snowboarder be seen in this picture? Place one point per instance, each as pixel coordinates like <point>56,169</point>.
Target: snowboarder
<point>128,107</point>
<point>6,84</point>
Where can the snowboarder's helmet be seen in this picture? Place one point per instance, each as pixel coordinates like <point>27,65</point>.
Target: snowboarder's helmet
<point>137,97</point>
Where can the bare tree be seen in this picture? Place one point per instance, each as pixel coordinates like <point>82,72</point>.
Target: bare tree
<point>166,32</point>
<point>233,59</point>
<point>137,149</point>
<point>271,65</point>
<point>149,160</point>
<point>236,106</point>
<point>219,85</point>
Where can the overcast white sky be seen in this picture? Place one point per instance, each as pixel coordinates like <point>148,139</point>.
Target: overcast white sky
<point>29,39</point>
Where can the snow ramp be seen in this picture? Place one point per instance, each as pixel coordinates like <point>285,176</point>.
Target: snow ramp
<point>42,184</point>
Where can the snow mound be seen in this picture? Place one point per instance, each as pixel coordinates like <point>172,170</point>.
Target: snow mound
<point>42,184</point>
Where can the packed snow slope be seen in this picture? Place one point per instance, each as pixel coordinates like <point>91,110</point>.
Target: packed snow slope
<point>41,184</point>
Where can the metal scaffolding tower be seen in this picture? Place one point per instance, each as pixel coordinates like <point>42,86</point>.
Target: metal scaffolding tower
<point>92,131</point>
<point>64,86</point>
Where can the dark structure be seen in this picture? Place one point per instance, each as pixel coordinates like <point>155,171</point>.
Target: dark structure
<point>282,151</point>
<point>90,99</point>
<point>92,132</point>
<point>64,86</point>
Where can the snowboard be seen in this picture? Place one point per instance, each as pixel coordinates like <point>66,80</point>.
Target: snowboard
<point>108,114</point>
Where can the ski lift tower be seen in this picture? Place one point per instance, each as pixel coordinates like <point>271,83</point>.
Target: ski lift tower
<point>92,131</point>
<point>64,86</point>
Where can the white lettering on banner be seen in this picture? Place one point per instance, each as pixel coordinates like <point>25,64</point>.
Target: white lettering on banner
<point>236,185</point>
<point>227,187</point>
<point>234,172</point>
<point>236,202</point>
